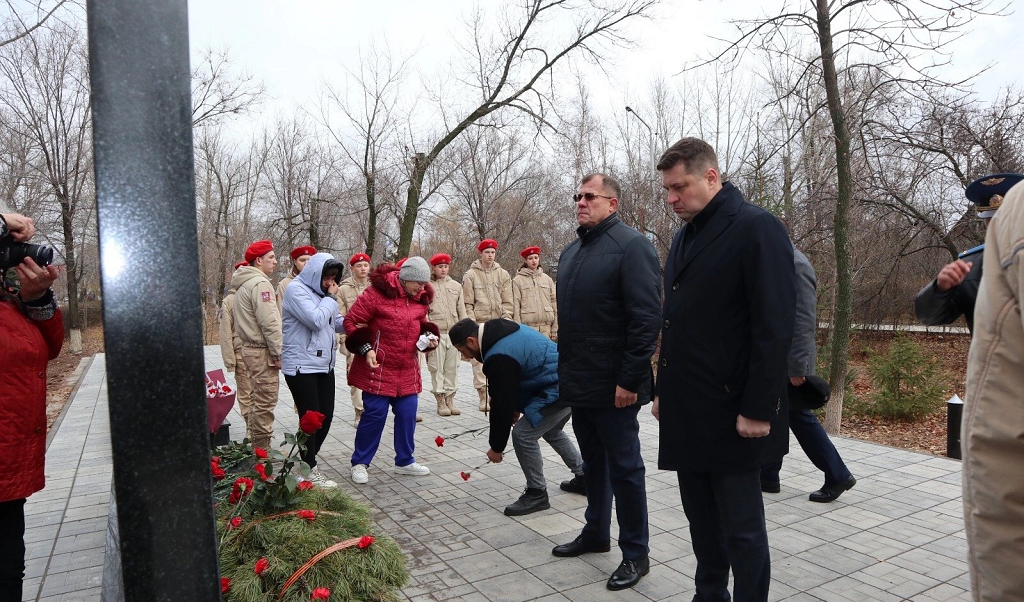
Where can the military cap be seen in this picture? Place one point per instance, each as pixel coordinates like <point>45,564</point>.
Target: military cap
<point>987,192</point>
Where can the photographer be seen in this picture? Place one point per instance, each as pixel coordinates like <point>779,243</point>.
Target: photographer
<point>31,334</point>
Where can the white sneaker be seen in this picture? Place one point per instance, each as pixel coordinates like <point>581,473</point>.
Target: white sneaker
<point>359,474</point>
<point>318,478</point>
<point>414,469</point>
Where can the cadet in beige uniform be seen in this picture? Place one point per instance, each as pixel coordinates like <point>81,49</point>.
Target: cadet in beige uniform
<point>533,296</point>
<point>258,324</point>
<point>446,309</point>
<point>299,255</point>
<point>231,351</point>
<point>487,291</point>
<point>348,292</point>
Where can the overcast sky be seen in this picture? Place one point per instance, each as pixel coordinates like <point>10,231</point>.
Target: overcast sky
<point>292,45</point>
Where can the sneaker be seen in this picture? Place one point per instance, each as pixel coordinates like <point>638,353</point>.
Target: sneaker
<point>359,474</point>
<point>414,469</point>
<point>575,485</point>
<point>318,478</point>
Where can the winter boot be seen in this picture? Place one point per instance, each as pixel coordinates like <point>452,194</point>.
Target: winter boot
<point>483,400</point>
<point>449,400</point>
<point>532,500</point>
<point>442,406</point>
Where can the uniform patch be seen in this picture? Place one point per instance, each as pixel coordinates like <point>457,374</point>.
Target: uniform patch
<point>266,296</point>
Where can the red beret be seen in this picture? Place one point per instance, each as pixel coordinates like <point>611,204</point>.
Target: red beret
<point>530,251</point>
<point>359,257</point>
<point>440,258</point>
<point>487,243</point>
<point>300,251</point>
<point>401,261</point>
<point>240,264</point>
<point>258,249</point>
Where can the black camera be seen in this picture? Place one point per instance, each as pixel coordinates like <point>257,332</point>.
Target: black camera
<point>12,253</point>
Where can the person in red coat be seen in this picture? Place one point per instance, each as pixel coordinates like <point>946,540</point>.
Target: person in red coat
<point>31,334</point>
<point>384,329</point>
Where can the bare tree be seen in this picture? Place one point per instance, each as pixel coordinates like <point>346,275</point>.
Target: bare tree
<point>16,25</point>
<point>218,92</point>
<point>899,41</point>
<point>46,93</point>
<point>512,66</point>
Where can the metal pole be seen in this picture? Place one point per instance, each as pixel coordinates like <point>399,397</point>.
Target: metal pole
<point>149,252</point>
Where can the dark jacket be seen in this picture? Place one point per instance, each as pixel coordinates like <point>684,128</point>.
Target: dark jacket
<point>609,293</point>
<point>936,308</point>
<point>803,353</point>
<point>727,330</point>
<point>521,366</point>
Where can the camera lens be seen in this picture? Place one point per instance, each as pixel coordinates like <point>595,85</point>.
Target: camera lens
<point>13,253</point>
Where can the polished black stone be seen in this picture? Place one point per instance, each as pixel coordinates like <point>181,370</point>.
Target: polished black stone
<point>142,128</point>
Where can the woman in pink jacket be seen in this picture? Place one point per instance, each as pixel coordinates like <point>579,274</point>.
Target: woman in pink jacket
<point>383,328</point>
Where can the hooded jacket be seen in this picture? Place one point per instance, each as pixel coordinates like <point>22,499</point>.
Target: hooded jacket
<point>487,292</point>
<point>257,321</point>
<point>310,321</point>
<point>533,299</point>
<point>385,317</point>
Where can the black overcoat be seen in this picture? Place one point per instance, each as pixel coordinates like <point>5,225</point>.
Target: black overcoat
<point>727,327</point>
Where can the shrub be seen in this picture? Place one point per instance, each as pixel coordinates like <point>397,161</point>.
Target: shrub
<point>905,381</point>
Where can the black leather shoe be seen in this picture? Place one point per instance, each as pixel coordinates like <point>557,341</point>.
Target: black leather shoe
<point>532,500</point>
<point>829,493</point>
<point>577,547</point>
<point>629,573</point>
<point>576,485</point>
<point>770,487</point>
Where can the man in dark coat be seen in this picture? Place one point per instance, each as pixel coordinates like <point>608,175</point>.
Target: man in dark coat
<point>954,291</point>
<point>608,295</point>
<point>726,332</point>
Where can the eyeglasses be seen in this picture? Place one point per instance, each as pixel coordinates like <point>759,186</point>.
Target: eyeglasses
<point>589,196</point>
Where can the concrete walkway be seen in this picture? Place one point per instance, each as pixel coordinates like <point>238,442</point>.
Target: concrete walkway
<point>898,535</point>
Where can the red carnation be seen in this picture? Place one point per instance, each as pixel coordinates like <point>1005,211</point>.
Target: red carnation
<point>215,460</point>
<point>234,523</point>
<point>261,565</point>
<point>465,476</point>
<point>261,469</point>
<point>225,585</point>
<point>439,440</point>
<point>226,389</point>
<point>311,422</point>
<point>320,593</point>
<point>365,541</point>
<point>260,453</point>
<point>307,515</point>
<point>242,487</point>
<point>304,485</point>
<point>218,472</point>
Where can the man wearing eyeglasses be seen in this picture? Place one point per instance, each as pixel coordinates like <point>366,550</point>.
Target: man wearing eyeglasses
<point>609,295</point>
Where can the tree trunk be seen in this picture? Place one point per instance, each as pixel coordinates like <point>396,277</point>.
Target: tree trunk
<point>371,206</point>
<point>412,204</point>
<point>74,317</point>
<point>842,316</point>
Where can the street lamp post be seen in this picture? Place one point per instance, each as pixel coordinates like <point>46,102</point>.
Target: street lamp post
<point>651,132</point>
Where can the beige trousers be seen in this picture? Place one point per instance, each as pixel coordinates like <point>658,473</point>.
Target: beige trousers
<point>243,388</point>
<point>265,380</point>
<point>443,364</point>
<point>479,380</point>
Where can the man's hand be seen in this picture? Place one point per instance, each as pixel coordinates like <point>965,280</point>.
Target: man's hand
<point>623,397</point>
<point>35,280</point>
<point>952,274</point>
<point>796,381</point>
<point>332,288</point>
<point>516,417</point>
<point>22,228</point>
<point>494,456</point>
<point>371,359</point>
<point>277,364</point>
<point>656,409</point>
<point>752,429</point>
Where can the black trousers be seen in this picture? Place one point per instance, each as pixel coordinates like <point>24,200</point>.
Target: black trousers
<point>727,528</point>
<point>12,549</point>
<point>313,392</point>
<point>609,441</point>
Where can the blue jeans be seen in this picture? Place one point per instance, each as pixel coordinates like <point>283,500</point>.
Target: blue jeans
<point>819,449</point>
<point>371,426</point>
